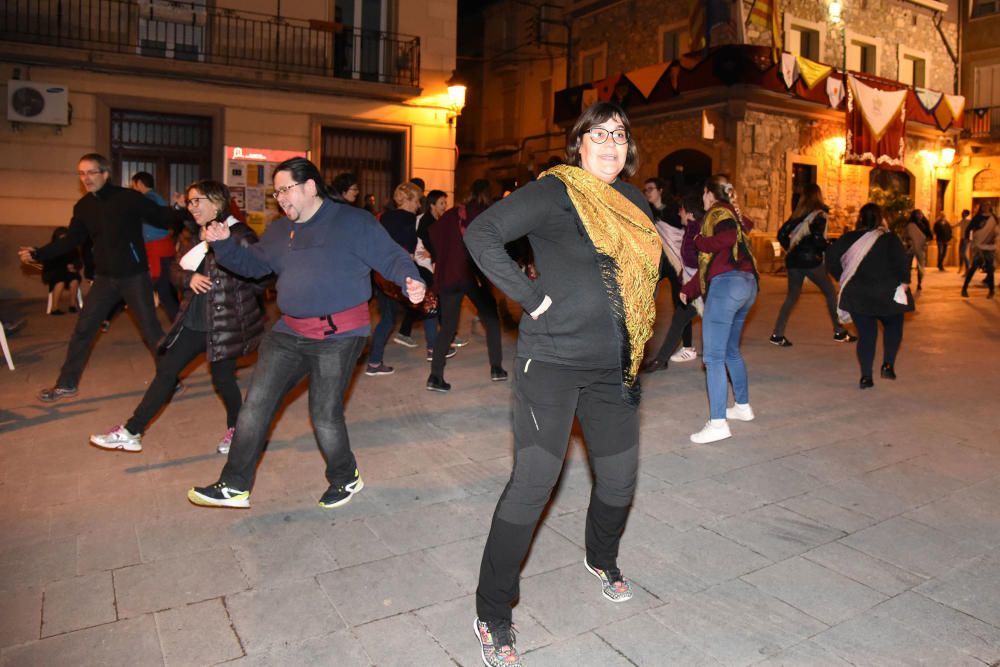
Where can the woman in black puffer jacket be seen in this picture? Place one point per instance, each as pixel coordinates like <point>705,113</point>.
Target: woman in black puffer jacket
<point>220,315</point>
<point>803,236</point>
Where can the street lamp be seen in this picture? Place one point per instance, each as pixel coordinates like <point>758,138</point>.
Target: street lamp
<point>456,95</point>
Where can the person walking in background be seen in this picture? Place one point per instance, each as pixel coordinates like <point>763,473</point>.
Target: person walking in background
<point>401,223</point>
<point>942,235</point>
<point>160,247</point>
<point>111,217</point>
<point>323,253</point>
<point>587,316</point>
<point>424,256</point>
<point>918,233</point>
<point>671,230</point>
<point>692,213</point>
<point>220,315</point>
<point>727,278</point>
<point>455,279</point>
<point>803,237</point>
<point>983,246</point>
<point>963,242</point>
<point>874,270</point>
<point>62,273</point>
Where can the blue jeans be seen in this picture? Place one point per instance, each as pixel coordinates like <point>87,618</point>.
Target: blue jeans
<point>388,312</point>
<point>282,362</point>
<point>730,297</point>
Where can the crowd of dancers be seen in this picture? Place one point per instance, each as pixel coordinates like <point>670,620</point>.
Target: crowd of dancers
<point>579,249</point>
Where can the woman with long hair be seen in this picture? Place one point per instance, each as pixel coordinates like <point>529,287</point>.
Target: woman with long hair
<point>220,314</point>
<point>803,237</point>
<point>728,280</point>
<point>587,316</point>
<point>874,270</point>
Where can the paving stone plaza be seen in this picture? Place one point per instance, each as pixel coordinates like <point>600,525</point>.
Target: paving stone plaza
<point>840,527</point>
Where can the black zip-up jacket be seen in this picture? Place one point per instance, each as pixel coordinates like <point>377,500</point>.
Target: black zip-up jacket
<point>578,328</point>
<point>112,218</point>
<point>807,253</point>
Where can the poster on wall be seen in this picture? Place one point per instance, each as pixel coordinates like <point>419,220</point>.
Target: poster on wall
<point>249,173</point>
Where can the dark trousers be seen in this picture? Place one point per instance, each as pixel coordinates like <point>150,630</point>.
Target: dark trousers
<point>137,291</point>
<point>282,362</point>
<point>450,308</point>
<point>963,254</point>
<point>186,348</point>
<point>981,259</point>
<point>796,277</point>
<point>680,324</point>
<point>892,336</point>
<point>388,312</point>
<point>165,290</point>
<point>942,253</point>
<point>667,271</point>
<point>546,398</point>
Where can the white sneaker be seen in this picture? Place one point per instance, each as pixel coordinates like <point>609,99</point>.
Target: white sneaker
<point>714,430</point>
<point>118,438</point>
<point>684,354</point>
<point>741,412</point>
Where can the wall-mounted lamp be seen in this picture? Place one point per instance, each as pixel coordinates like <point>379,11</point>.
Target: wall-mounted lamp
<point>835,10</point>
<point>456,95</point>
<point>947,156</point>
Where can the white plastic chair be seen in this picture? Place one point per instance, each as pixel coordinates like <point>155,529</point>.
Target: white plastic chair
<point>79,301</point>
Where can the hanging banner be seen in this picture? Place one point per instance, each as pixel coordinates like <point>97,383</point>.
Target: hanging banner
<point>876,126</point>
<point>589,97</point>
<point>835,91</point>
<point>646,78</point>
<point>789,69</point>
<point>812,72</point>
<point>606,87</point>
<point>928,99</point>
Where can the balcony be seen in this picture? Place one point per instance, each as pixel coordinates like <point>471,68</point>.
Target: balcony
<point>983,124</point>
<point>227,42</point>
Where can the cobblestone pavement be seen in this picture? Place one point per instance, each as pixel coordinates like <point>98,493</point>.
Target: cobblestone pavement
<point>841,527</point>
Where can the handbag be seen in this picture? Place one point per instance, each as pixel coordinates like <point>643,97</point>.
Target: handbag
<point>427,307</point>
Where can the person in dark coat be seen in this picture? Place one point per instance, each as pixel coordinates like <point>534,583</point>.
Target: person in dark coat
<point>803,237</point>
<point>220,315</point>
<point>62,272</point>
<point>942,235</point>
<point>874,270</point>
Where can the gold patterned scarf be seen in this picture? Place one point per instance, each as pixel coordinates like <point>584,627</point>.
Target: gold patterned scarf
<point>715,215</point>
<point>628,255</point>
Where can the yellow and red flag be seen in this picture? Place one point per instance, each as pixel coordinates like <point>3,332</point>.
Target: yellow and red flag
<point>767,14</point>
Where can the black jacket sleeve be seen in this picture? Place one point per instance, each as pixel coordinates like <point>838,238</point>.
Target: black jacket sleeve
<point>76,236</point>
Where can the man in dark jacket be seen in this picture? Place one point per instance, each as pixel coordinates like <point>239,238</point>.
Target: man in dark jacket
<point>111,217</point>
<point>942,235</point>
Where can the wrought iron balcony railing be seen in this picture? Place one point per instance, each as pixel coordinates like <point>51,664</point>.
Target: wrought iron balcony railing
<point>188,31</point>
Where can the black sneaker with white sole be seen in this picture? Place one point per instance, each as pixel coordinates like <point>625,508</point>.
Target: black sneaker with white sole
<point>340,494</point>
<point>219,495</point>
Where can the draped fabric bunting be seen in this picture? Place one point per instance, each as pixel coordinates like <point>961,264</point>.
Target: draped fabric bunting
<point>956,103</point>
<point>789,69</point>
<point>606,87</point>
<point>929,99</point>
<point>812,72</point>
<point>835,91</point>
<point>646,78</point>
<point>876,126</point>
<point>589,97</point>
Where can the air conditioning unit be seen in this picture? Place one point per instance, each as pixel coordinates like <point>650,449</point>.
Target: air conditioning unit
<point>35,102</point>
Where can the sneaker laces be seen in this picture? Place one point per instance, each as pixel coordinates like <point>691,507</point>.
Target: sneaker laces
<point>114,429</point>
<point>502,633</point>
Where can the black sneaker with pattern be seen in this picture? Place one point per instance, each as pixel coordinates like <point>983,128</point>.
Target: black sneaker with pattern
<point>219,495</point>
<point>613,584</point>
<point>496,639</point>
<point>340,494</point>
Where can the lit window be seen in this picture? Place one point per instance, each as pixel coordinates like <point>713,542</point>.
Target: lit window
<point>913,71</point>
<point>804,42</point>
<point>862,57</point>
<point>671,46</point>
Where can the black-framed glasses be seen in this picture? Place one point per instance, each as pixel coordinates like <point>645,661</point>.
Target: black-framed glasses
<point>280,191</point>
<point>599,135</point>
<point>196,201</point>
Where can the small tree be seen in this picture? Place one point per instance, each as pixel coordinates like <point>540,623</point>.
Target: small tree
<point>896,207</point>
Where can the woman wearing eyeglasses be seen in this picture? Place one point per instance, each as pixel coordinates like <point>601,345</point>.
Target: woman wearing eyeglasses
<point>220,315</point>
<point>588,315</point>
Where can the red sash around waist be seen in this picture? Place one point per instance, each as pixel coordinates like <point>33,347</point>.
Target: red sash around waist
<point>319,328</point>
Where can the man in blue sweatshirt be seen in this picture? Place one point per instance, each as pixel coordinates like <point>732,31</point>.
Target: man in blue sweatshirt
<point>323,253</point>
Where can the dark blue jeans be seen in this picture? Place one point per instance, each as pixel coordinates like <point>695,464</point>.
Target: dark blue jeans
<point>282,362</point>
<point>730,297</point>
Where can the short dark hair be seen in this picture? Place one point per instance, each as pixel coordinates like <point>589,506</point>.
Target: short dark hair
<point>103,163</point>
<point>693,203</point>
<point>343,182</point>
<point>434,195</point>
<point>216,192</point>
<point>658,182</point>
<point>869,217</point>
<point>303,170</point>
<point>965,212</point>
<point>595,114</point>
<point>419,182</point>
<point>143,177</point>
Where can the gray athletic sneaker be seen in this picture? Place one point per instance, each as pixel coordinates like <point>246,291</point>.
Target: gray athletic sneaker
<point>118,438</point>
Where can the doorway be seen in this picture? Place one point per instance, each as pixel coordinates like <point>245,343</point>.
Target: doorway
<point>685,170</point>
<point>176,149</point>
<point>375,158</point>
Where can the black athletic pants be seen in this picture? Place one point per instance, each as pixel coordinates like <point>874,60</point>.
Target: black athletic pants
<point>892,336</point>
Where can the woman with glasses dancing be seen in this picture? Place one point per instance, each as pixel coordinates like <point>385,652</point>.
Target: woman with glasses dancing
<point>588,315</point>
<point>220,315</point>
<point>728,279</point>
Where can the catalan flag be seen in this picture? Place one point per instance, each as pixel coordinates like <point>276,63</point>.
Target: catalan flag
<point>767,15</point>
<point>696,24</point>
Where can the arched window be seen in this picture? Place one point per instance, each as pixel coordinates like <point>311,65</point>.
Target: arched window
<point>685,170</point>
<point>899,182</point>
